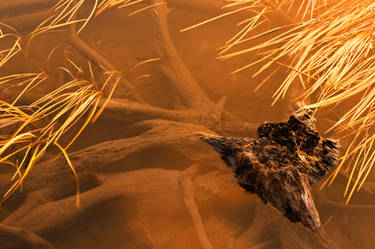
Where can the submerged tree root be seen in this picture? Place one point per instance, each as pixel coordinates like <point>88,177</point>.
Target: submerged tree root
<point>26,236</point>
<point>173,129</point>
<point>186,181</point>
<point>202,110</point>
<point>91,54</point>
<point>178,137</point>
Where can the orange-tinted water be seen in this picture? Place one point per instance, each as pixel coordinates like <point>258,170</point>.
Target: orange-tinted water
<point>138,201</point>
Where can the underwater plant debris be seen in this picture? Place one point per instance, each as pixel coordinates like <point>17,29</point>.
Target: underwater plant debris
<point>281,164</point>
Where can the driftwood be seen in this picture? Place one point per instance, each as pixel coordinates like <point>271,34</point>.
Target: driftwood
<point>281,164</point>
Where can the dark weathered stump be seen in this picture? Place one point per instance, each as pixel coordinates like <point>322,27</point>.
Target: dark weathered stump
<point>282,164</point>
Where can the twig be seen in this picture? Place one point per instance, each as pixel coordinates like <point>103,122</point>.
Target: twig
<point>186,181</point>
<point>24,235</point>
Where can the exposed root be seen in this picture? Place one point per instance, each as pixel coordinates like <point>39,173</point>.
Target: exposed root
<point>24,235</point>
<point>186,181</point>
